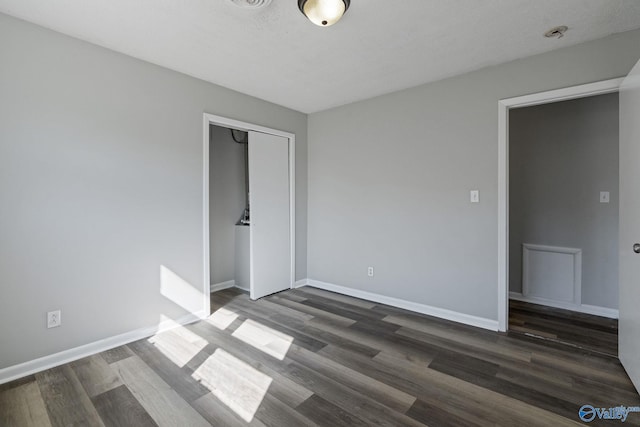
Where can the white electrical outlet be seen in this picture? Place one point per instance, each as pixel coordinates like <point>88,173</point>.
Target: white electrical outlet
<point>604,197</point>
<point>370,271</point>
<point>474,196</point>
<point>54,319</point>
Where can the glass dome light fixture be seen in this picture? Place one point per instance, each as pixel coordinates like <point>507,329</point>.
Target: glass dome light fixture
<point>323,12</point>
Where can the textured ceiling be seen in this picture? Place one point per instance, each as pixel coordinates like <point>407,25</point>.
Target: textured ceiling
<point>380,46</point>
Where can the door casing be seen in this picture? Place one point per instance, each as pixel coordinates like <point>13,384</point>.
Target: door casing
<point>504,105</point>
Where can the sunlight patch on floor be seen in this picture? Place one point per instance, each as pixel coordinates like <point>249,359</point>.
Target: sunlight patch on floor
<point>222,318</point>
<point>263,338</point>
<point>178,344</point>
<point>236,384</point>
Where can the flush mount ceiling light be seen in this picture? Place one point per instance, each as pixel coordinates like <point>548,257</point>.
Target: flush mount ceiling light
<point>323,12</point>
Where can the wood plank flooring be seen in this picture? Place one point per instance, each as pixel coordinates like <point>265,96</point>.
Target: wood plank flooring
<point>583,331</point>
<point>308,357</point>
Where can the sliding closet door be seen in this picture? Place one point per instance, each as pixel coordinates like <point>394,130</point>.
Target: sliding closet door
<point>270,223</point>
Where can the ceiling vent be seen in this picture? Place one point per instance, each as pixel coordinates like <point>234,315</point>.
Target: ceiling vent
<point>250,4</point>
<point>556,32</point>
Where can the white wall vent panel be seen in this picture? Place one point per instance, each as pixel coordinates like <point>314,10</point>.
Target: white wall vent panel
<point>551,273</point>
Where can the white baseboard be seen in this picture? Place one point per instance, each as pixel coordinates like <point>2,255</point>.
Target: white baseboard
<point>298,284</point>
<point>301,283</point>
<point>611,313</point>
<point>441,313</point>
<point>222,285</point>
<point>37,365</point>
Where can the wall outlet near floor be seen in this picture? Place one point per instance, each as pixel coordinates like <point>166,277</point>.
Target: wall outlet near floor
<point>370,271</point>
<point>54,319</point>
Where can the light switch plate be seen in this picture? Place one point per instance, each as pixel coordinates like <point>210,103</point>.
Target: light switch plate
<point>604,197</point>
<point>474,196</point>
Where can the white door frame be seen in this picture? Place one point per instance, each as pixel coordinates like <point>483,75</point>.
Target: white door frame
<point>504,105</point>
<point>211,119</point>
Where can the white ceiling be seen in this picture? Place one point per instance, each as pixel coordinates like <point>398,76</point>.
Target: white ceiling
<point>380,46</point>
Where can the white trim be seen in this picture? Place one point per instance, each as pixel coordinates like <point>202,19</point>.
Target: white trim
<point>211,119</point>
<point>441,313</point>
<point>37,365</point>
<point>292,204</point>
<point>247,290</point>
<point>595,310</point>
<point>206,273</point>
<point>564,94</point>
<point>222,285</point>
<point>503,217</point>
<point>301,283</point>
<point>574,92</point>
<point>577,269</point>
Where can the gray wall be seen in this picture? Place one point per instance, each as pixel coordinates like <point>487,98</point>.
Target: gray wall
<point>227,201</point>
<point>389,178</point>
<point>561,156</point>
<point>101,185</point>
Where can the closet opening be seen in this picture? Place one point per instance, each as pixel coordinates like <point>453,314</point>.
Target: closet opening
<point>249,211</point>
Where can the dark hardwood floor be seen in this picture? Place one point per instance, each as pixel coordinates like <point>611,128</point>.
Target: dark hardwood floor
<point>308,357</point>
<point>583,331</point>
